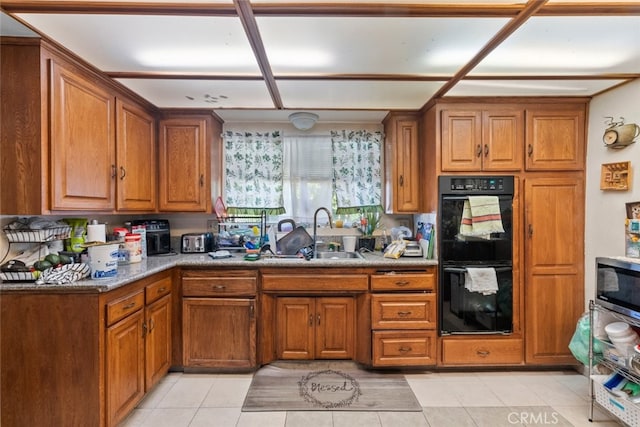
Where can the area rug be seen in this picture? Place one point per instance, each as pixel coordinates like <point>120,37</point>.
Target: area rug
<point>327,386</point>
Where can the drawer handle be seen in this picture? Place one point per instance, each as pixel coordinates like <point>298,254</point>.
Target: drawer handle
<point>220,287</point>
<point>402,283</point>
<point>130,305</point>
<point>405,349</point>
<point>483,353</point>
<point>162,289</point>
<point>404,313</point>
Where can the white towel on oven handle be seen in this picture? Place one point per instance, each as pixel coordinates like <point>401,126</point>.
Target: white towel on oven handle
<point>481,279</point>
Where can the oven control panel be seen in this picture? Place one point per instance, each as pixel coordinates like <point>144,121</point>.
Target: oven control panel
<point>477,184</point>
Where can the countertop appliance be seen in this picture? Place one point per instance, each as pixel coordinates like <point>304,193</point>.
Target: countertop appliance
<point>462,308</point>
<point>158,235</point>
<point>618,285</point>
<point>413,249</point>
<point>197,243</point>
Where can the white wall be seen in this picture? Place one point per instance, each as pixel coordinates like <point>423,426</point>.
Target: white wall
<point>605,210</point>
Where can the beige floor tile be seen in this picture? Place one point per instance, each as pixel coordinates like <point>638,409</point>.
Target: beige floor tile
<point>355,419</point>
<point>309,419</point>
<point>262,419</point>
<point>553,393</point>
<point>216,417</point>
<point>402,419</point>
<point>169,417</point>
<point>227,392</point>
<point>448,417</point>
<point>155,396</point>
<point>579,416</point>
<point>136,418</point>
<point>188,392</point>
<point>515,394</point>
<point>474,394</point>
<point>493,417</point>
<point>434,393</point>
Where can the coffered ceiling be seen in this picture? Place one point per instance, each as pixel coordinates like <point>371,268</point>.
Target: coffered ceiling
<point>261,60</point>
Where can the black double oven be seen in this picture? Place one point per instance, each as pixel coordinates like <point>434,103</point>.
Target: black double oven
<point>463,311</point>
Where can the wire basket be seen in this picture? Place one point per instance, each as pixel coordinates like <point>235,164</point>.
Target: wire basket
<point>38,236</point>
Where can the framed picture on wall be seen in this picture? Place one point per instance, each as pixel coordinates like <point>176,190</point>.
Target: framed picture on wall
<point>633,210</point>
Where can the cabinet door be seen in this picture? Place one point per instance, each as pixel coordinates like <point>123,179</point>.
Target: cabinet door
<point>502,140</point>
<point>402,163</point>
<point>295,328</point>
<point>82,143</point>
<point>335,328</point>
<point>157,341</point>
<point>125,366</point>
<point>555,139</point>
<point>136,158</point>
<point>554,270</point>
<point>219,332</point>
<point>184,164</point>
<point>461,140</point>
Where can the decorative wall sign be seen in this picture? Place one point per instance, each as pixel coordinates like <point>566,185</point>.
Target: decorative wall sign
<point>615,176</point>
<point>618,135</point>
<point>633,210</point>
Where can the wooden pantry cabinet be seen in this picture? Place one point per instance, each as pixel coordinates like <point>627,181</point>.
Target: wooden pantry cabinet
<point>554,266</point>
<point>482,139</point>
<point>219,319</point>
<point>403,318</point>
<point>82,357</point>
<point>402,163</point>
<point>74,139</point>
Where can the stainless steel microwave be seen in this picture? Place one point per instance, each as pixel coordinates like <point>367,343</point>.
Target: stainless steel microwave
<point>618,285</point>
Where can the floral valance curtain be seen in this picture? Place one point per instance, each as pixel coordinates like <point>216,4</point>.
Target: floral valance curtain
<point>357,172</point>
<point>253,172</point>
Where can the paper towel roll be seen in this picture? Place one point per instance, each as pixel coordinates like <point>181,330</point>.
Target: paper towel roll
<point>96,233</point>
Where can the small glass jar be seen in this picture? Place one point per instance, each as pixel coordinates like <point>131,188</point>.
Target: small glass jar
<point>133,245</point>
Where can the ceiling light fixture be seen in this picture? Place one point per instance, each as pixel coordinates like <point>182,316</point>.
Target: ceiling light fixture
<point>303,120</point>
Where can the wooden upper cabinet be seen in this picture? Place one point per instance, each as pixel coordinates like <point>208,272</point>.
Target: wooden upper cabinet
<point>136,158</point>
<point>82,145</point>
<point>185,164</point>
<point>555,138</point>
<point>402,163</point>
<point>482,140</point>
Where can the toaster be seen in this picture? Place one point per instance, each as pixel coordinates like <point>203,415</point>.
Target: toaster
<point>197,243</point>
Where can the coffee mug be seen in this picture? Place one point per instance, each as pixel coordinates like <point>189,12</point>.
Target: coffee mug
<point>621,135</point>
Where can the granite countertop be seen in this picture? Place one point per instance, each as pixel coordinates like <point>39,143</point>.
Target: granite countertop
<point>151,265</point>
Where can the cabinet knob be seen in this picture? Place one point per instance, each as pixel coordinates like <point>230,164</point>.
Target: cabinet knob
<point>529,150</point>
<point>201,180</point>
<point>401,180</point>
<point>486,150</point>
<point>404,349</point>
<point>402,283</point>
<point>219,287</point>
<point>311,320</point>
<point>123,173</point>
<point>129,306</point>
<point>144,330</point>
<point>530,230</point>
<point>114,171</point>
<point>478,150</point>
<point>404,313</point>
<point>483,353</point>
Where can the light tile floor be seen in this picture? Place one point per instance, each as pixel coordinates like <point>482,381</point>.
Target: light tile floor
<point>478,399</point>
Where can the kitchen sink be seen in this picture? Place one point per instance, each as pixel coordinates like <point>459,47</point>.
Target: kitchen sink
<point>338,255</point>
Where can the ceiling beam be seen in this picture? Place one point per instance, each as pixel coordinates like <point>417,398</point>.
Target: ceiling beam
<point>529,10</point>
<point>351,9</point>
<point>243,7</point>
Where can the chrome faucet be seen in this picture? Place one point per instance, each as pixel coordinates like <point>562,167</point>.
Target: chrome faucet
<point>315,227</point>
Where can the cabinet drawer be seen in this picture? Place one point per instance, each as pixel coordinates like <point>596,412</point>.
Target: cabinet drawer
<point>157,290</point>
<point>121,308</point>
<point>404,348</point>
<point>197,284</point>
<point>481,351</point>
<point>403,311</point>
<point>404,281</point>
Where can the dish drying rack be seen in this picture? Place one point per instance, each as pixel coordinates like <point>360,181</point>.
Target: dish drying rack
<point>234,231</point>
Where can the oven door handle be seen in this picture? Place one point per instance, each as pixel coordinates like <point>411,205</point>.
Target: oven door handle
<point>464,269</point>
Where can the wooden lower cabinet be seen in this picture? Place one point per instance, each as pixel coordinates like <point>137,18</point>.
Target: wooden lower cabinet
<point>125,366</point>
<point>315,327</point>
<point>219,319</point>
<point>481,351</point>
<point>404,348</point>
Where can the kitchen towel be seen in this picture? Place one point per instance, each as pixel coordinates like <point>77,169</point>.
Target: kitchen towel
<point>482,280</point>
<point>481,217</point>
